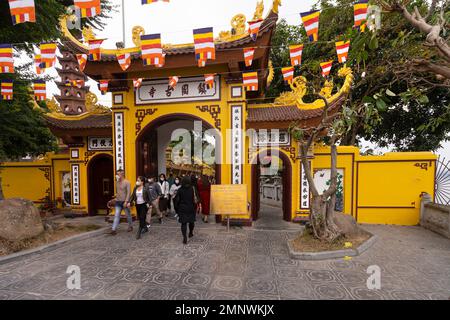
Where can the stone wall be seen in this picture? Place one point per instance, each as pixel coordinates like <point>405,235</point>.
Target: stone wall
<point>435,217</point>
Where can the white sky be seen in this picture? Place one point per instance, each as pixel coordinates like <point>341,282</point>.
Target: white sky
<point>176,19</point>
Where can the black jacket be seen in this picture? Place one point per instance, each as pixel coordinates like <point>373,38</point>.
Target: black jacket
<point>145,194</point>
<point>184,203</point>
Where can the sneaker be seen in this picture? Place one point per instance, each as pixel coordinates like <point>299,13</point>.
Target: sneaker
<point>191,235</point>
<point>148,226</point>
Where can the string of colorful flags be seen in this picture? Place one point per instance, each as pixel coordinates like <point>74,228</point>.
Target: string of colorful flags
<point>152,53</point>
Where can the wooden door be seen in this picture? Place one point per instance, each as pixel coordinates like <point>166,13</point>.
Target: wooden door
<point>101,184</point>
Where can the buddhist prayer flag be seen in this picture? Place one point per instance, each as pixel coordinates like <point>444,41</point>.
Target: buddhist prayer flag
<point>209,80</point>
<point>38,63</point>
<point>342,50</point>
<point>204,45</point>
<point>360,14</point>
<point>173,82</point>
<point>88,8</point>
<point>22,11</point>
<point>151,49</point>
<point>6,58</point>
<point>137,83</point>
<point>82,59</point>
<point>250,81</point>
<point>254,28</point>
<point>310,21</point>
<point>295,52</point>
<point>103,86</point>
<point>39,88</point>
<point>248,56</point>
<point>152,1</point>
<point>75,83</point>
<point>94,49</point>
<point>124,60</point>
<point>162,62</point>
<point>326,68</point>
<point>48,54</point>
<point>7,89</point>
<point>288,74</point>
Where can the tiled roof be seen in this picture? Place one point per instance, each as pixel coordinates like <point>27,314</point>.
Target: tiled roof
<point>94,121</point>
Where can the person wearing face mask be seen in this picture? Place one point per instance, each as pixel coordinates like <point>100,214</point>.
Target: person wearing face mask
<point>122,197</point>
<point>141,197</point>
<point>164,198</point>
<point>155,193</point>
<point>173,192</point>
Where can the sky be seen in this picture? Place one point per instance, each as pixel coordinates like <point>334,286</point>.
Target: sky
<point>176,20</point>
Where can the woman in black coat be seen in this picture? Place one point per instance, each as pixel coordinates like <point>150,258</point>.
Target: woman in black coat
<point>185,202</point>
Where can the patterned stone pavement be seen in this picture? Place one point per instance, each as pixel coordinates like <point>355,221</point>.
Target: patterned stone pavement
<point>245,263</point>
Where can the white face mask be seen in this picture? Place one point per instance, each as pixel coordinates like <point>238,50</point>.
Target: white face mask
<point>117,177</point>
<point>138,183</point>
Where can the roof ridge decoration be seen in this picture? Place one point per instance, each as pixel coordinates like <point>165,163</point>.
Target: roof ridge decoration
<point>92,107</point>
<point>299,90</point>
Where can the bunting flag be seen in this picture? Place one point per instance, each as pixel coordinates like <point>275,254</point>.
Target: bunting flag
<point>94,49</point>
<point>249,54</point>
<point>204,45</point>
<point>295,52</point>
<point>124,60</point>
<point>288,74</point>
<point>250,81</point>
<point>254,28</point>
<point>82,59</point>
<point>40,92</point>
<point>7,89</point>
<point>342,50</point>
<point>75,83</point>
<point>22,11</point>
<point>88,8</point>
<point>6,58</point>
<point>360,13</point>
<point>209,80</point>
<point>151,49</point>
<point>153,1</point>
<point>173,82</point>
<point>326,68</point>
<point>310,21</point>
<point>103,86</point>
<point>137,83</point>
<point>48,54</point>
<point>162,62</point>
<point>38,64</point>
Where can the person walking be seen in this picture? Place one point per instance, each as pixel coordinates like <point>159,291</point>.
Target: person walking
<point>154,191</point>
<point>164,198</point>
<point>122,197</point>
<point>204,191</point>
<point>185,202</point>
<point>194,184</point>
<point>141,198</point>
<point>173,192</point>
<point>170,180</point>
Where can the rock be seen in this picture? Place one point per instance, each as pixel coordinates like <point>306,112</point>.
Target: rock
<point>20,219</point>
<point>346,223</point>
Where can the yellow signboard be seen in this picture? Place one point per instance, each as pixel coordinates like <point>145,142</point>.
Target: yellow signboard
<point>229,199</point>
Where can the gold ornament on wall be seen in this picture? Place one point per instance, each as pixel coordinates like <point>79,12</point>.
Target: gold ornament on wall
<point>53,106</point>
<point>259,11</point>
<point>271,73</point>
<point>92,105</point>
<point>88,34</point>
<point>238,29</point>
<point>275,6</point>
<point>136,32</point>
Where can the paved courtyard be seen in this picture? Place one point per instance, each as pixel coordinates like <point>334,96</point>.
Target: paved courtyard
<point>246,263</point>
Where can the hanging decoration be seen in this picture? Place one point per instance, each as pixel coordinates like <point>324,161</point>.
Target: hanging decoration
<point>360,14</point>
<point>124,60</point>
<point>137,83</point>
<point>6,58</point>
<point>151,49</point>
<point>82,60</point>
<point>310,21</point>
<point>103,86</point>
<point>153,1</point>
<point>288,74</point>
<point>250,81</point>
<point>7,89</point>
<point>249,54</point>
<point>173,81</point>
<point>295,52</point>
<point>48,55</point>
<point>94,49</point>
<point>204,45</point>
<point>22,11</point>
<point>209,80</point>
<point>75,83</point>
<point>39,88</point>
<point>254,28</point>
<point>88,8</point>
<point>342,50</point>
<point>326,68</point>
<point>38,64</point>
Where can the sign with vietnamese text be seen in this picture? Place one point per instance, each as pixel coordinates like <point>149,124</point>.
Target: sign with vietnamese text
<point>229,199</point>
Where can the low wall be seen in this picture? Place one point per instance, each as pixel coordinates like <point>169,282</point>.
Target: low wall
<point>435,217</point>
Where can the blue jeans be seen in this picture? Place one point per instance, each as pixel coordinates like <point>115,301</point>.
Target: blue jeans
<point>117,210</point>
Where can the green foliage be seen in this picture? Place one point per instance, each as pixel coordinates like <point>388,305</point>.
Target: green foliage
<point>385,91</point>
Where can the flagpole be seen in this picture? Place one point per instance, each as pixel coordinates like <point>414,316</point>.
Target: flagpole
<point>123,22</point>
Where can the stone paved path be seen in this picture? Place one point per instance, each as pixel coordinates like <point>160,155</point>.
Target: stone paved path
<point>245,263</point>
